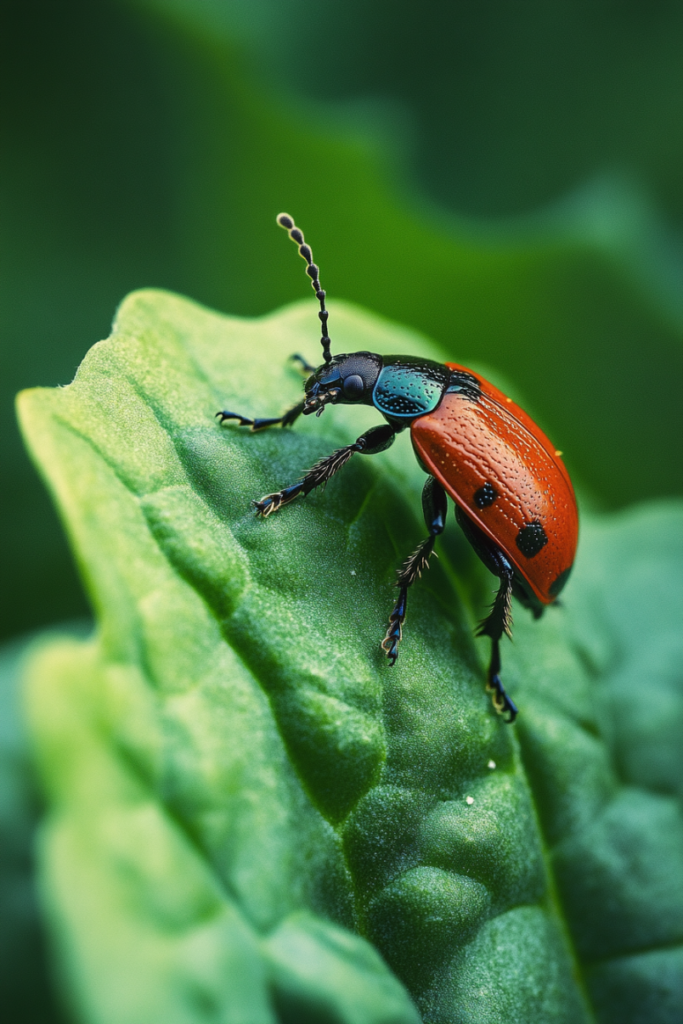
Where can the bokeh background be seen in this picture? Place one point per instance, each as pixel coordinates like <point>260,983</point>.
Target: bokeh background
<point>504,177</point>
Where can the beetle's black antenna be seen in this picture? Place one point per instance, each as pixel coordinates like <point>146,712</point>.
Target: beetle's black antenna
<point>297,235</point>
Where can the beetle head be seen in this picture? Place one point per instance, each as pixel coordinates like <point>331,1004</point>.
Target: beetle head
<point>346,379</point>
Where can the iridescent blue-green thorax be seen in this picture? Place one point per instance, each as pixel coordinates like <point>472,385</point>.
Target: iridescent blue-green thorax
<point>408,387</point>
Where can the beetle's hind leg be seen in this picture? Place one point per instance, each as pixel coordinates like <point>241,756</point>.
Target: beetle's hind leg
<point>285,420</point>
<point>497,622</point>
<point>499,619</point>
<point>434,506</point>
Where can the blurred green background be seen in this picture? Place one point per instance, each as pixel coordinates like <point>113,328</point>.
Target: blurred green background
<point>504,177</point>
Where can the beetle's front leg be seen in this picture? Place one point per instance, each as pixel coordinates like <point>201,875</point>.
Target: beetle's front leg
<point>260,424</point>
<point>375,440</point>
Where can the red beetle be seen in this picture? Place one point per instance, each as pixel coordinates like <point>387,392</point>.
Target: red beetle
<point>513,497</point>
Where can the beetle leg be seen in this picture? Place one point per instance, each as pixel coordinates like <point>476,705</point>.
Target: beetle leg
<point>502,702</point>
<point>304,364</point>
<point>260,424</point>
<point>374,440</point>
<point>499,619</point>
<point>434,506</point>
<point>497,622</point>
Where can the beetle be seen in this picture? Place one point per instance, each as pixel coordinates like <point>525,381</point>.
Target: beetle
<point>513,497</point>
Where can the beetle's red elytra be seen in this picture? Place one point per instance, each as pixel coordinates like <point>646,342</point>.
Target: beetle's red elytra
<point>528,490</point>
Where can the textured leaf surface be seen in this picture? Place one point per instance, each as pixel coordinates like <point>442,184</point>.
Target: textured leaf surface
<point>247,803</point>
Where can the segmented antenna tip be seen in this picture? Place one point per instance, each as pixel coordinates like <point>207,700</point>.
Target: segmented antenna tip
<point>297,235</point>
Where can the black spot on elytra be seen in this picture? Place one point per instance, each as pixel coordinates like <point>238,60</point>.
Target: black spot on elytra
<point>559,583</point>
<point>531,538</point>
<point>485,496</point>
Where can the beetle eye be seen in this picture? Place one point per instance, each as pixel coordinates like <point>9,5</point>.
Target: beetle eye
<point>353,386</point>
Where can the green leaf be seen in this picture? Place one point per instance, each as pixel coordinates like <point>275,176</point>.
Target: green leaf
<point>245,799</point>
<point>24,978</point>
